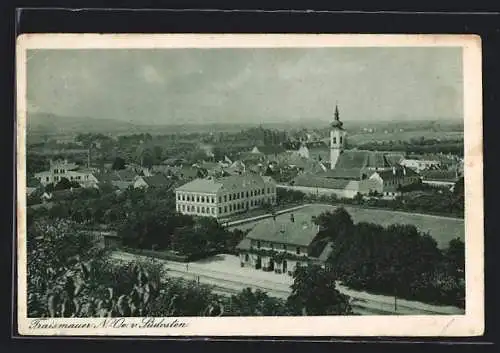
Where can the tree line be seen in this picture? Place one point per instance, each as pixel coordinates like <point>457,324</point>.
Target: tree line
<point>395,260</point>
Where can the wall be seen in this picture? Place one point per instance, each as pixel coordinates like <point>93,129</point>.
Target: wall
<point>321,191</point>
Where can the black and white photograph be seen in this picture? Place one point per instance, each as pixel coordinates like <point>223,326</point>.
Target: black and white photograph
<point>173,187</point>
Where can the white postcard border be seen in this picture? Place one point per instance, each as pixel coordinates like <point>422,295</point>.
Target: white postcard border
<point>470,324</point>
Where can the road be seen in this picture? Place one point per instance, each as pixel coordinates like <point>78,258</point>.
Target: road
<point>227,277</point>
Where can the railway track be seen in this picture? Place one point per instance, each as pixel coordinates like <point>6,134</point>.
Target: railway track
<point>362,303</point>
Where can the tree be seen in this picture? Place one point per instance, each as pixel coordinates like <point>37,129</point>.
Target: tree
<point>314,293</point>
<point>455,257</point>
<point>257,303</point>
<point>65,184</point>
<point>118,164</point>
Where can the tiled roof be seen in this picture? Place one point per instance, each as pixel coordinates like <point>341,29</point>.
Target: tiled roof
<point>351,159</point>
<point>201,185</point>
<point>439,175</point>
<point>301,232</point>
<point>228,183</point>
<point>156,180</point>
<point>397,172</point>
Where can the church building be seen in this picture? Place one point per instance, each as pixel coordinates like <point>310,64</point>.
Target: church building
<point>354,171</point>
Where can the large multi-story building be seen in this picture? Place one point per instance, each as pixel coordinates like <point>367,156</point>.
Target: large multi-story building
<point>71,171</point>
<point>225,196</point>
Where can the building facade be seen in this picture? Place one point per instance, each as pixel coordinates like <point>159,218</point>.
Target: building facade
<point>280,245</point>
<point>225,196</point>
<point>71,171</point>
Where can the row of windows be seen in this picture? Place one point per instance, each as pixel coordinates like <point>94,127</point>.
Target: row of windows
<point>197,209</point>
<point>335,139</point>
<point>230,197</point>
<point>284,247</point>
<point>230,208</point>
<point>196,198</point>
<point>59,171</point>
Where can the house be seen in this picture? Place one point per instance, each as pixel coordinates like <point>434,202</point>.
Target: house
<point>281,244</point>
<point>225,196</point>
<point>267,151</point>
<point>444,178</point>
<point>71,171</point>
<point>419,165</point>
<point>121,179</point>
<point>317,151</point>
<point>154,181</point>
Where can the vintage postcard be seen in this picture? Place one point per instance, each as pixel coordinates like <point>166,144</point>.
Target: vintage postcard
<point>249,185</point>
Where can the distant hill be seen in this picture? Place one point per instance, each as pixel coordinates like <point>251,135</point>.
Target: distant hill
<point>39,123</point>
<point>47,123</point>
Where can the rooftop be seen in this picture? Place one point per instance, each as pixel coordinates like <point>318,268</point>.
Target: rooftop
<point>156,180</point>
<point>318,181</point>
<point>227,183</point>
<point>301,232</point>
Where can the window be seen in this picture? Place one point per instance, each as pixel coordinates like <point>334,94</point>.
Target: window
<point>203,210</point>
<point>183,207</point>
<point>235,196</point>
<point>198,209</point>
<point>47,178</point>
<point>220,199</point>
<point>297,251</point>
<point>203,199</point>
<point>225,198</point>
<point>178,197</point>
<point>268,190</point>
<point>213,210</point>
<point>272,246</point>
<point>263,191</point>
<point>340,139</point>
<point>284,247</point>
<point>247,193</point>
<point>247,258</point>
<point>334,140</point>
<point>230,208</point>
<point>230,196</point>
<point>197,198</point>
<point>258,244</point>
<point>220,209</point>
<point>251,193</point>
<point>225,209</point>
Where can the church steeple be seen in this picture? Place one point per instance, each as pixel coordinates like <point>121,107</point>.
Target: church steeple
<point>336,116</point>
<point>337,138</point>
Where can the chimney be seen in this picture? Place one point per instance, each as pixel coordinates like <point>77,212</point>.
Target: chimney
<point>292,218</point>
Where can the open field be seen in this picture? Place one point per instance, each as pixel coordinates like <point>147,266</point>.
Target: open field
<point>442,229</point>
<point>379,136</point>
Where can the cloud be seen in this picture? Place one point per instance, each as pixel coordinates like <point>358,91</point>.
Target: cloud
<point>151,75</point>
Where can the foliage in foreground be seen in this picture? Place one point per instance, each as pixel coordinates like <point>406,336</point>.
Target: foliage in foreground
<point>69,276</point>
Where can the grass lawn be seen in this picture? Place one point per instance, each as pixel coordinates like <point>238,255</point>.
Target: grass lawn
<point>440,228</point>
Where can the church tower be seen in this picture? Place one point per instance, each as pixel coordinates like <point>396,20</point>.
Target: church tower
<point>337,139</point>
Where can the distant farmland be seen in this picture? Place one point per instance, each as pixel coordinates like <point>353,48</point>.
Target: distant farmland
<point>442,229</point>
<point>404,136</point>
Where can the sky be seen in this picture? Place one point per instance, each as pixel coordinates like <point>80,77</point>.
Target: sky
<point>175,86</point>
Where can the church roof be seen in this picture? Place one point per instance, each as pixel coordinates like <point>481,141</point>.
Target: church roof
<point>354,159</point>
